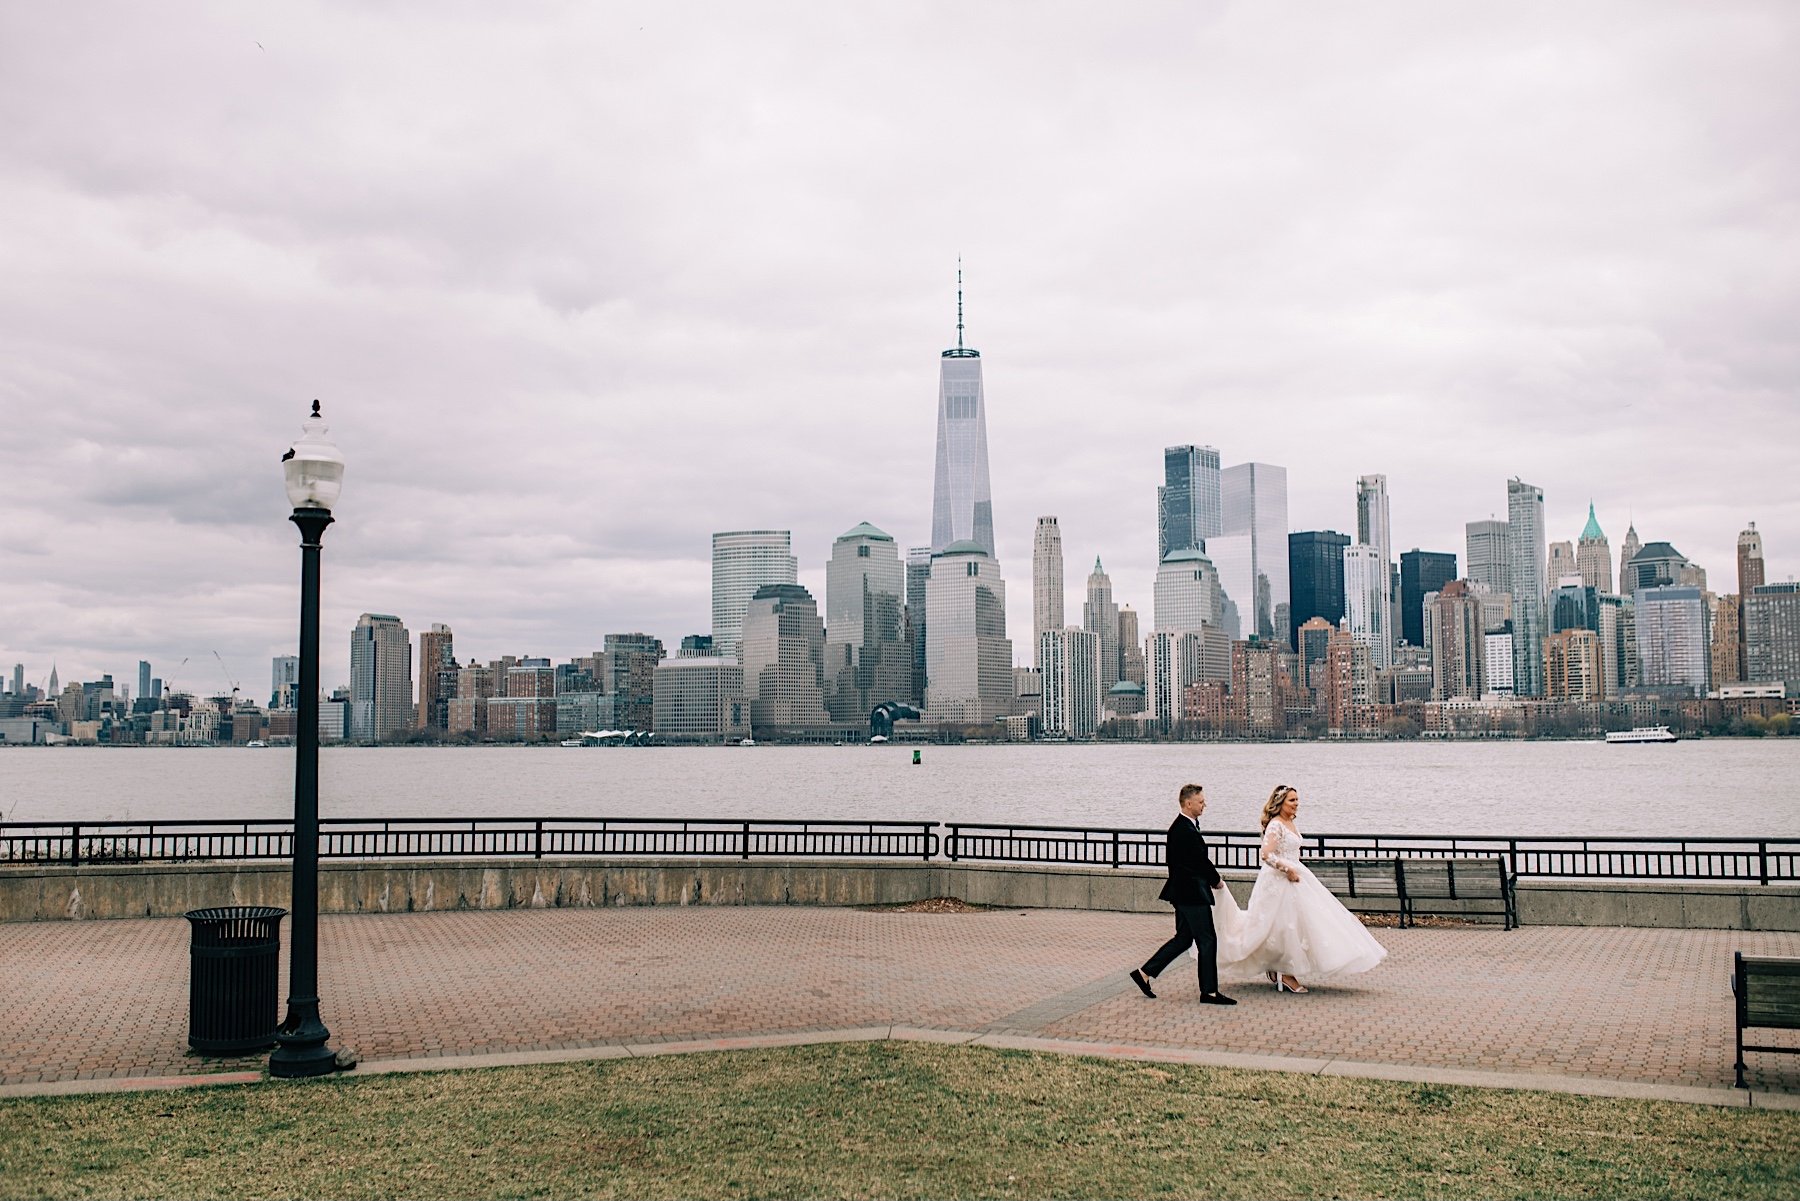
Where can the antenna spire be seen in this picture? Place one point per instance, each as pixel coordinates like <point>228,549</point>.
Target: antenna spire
<point>959,315</point>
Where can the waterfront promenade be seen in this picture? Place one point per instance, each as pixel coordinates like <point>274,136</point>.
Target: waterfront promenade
<point>1636,1012</point>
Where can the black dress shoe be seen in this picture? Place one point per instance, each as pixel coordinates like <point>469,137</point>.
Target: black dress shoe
<point>1215,998</point>
<point>1137,978</point>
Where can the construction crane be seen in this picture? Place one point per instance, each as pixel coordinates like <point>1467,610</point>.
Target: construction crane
<point>226,672</point>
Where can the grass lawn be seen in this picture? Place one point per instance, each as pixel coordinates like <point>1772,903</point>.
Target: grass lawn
<point>883,1120</point>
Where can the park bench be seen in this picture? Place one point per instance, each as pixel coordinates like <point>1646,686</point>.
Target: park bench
<point>1456,888</point>
<point>1411,887</point>
<point>1364,885</point>
<point>1768,998</point>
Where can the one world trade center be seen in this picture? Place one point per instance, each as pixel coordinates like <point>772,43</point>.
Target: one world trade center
<point>962,505</point>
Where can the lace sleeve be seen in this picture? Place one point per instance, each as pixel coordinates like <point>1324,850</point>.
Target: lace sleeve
<point>1271,848</point>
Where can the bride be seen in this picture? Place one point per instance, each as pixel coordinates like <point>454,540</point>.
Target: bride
<point>1293,926</point>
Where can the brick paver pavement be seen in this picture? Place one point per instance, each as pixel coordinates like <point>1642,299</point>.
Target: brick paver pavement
<point>107,999</point>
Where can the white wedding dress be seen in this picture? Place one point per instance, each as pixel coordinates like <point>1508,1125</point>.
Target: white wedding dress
<point>1294,927</point>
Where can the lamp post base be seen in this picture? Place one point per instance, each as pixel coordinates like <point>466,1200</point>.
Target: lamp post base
<point>300,1045</point>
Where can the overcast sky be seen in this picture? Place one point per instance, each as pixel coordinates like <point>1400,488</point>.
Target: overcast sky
<point>579,284</point>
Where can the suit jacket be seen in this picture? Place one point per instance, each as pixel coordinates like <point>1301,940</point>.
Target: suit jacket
<point>1192,876</point>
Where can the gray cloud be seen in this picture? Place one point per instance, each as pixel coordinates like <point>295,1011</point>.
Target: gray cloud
<point>579,285</point>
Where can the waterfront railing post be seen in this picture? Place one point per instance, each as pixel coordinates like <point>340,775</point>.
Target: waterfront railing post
<point>537,851</point>
<point>746,840</point>
<point>1762,861</point>
<point>74,846</point>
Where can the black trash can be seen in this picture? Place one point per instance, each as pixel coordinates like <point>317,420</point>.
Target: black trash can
<point>235,982</point>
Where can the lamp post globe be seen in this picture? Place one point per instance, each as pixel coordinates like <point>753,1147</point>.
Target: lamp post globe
<point>313,470</point>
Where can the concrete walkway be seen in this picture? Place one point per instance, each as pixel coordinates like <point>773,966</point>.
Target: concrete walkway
<point>103,1004</point>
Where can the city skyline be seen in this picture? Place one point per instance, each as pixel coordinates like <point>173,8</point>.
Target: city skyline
<point>553,384</point>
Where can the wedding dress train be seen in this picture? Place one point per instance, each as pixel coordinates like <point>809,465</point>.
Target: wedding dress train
<point>1297,928</point>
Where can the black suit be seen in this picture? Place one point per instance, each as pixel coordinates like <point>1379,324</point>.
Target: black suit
<point>1192,877</point>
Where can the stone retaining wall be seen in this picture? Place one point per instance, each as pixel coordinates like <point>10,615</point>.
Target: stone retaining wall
<point>33,893</point>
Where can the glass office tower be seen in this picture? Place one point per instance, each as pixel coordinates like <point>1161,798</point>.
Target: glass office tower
<point>962,503</point>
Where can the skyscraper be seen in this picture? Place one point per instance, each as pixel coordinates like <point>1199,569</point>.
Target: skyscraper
<point>1101,616</point>
<point>783,652</point>
<point>1251,552</point>
<point>1131,652</point>
<point>1315,578</point>
<point>1750,577</point>
<point>1562,563</point>
<point>1627,552</point>
<point>1374,528</point>
<point>918,573</point>
<point>1527,557</point>
<point>1487,563</point>
<point>1573,669</point>
<point>867,658</point>
<point>1187,504</point>
<point>1458,643</point>
<point>1772,634</point>
<point>628,675</point>
<point>1366,605</point>
<point>437,677</point>
<point>1069,665</point>
<point>1672,639</point>
<point>284,678</point>
<point>381,686</point>
<point>742,562</point>
<point>1421,571</point>
<point>1046,580</point>
<point>1186,593</point>
<point>143,691</point>
<point>962,505</point>
<point>968,658</point>
<point>1593,555</point>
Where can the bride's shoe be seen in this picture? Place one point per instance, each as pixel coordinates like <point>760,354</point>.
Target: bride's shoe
<point>1282,985</point>
<point>1275,979</point>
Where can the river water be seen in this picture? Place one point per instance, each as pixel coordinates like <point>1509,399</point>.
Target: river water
<point>1723,787</point>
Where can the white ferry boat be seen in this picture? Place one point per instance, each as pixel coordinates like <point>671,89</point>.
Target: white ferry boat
<point>1642,734</point>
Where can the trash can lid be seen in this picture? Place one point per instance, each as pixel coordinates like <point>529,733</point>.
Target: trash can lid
<point>234,913</point>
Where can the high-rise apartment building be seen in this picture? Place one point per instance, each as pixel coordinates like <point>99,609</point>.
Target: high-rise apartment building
<point>627,674</point>
<point>1069,670</point>
<point>1487,562</point>
<point>1047,586</point>
<point>742,562</point>
<point>1772,634</point>
<point>783,652</point>
<point>1593,555</point>
<point>1174,660</point>
<point>1527,559</point>
<point>1458,643</point>
<point>1374,528</point>
<point>1673,642</point>
<point>437,677</point>
<point>1618,643</point>
<point>1349,679</point>
<point>1101,616</point>
<point>1188,508</point>
<point>1499,658</point>
<point>467,708</point>
<point>1186,593</point>
<point>1727,639</point>
<point>962,503</point>
<point>1572,666</point>
<point>1315,578</point>
<point>867,657</point>
<point>1311,641</point>
<point>968,658</point>
<point>1251,552</point>
<point>1421,571</point>
<point>1750,577</point>
<point>381,686</point>
<point>1366,608</point>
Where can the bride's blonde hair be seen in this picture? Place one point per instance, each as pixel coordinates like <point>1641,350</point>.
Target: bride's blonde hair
<point>1272,806</point>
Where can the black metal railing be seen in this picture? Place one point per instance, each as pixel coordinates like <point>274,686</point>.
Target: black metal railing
<point>1758,860</point>
<point>1763,861</point>
<point>425,837</point>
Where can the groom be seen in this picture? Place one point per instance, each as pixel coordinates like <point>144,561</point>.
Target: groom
<point>1192,877</point>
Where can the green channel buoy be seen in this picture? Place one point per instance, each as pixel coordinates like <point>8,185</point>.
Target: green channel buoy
<point>916,759</point>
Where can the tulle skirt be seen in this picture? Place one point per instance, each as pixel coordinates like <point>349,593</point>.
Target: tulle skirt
<point>1297,928</point>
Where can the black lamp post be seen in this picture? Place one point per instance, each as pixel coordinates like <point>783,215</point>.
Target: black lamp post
<point>315,473</point>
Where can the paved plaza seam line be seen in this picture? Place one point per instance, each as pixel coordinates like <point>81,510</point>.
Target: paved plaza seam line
<point>1051,1010</point>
